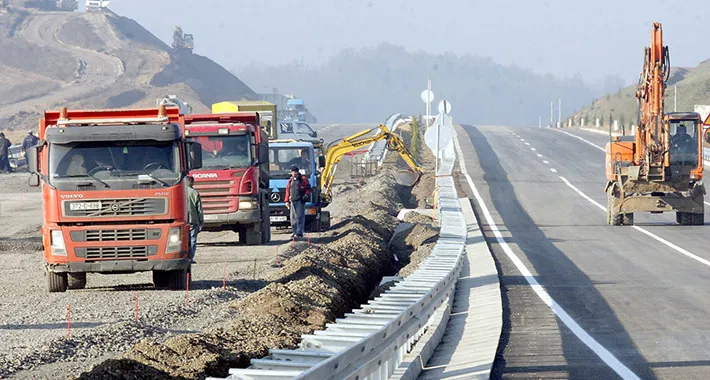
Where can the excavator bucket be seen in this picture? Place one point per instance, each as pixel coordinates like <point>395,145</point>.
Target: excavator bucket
<point>407,178</point>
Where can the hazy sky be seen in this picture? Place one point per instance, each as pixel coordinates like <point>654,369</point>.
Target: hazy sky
<point>562,37</point>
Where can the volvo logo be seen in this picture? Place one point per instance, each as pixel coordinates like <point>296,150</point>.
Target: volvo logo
<point>275,197</point>
<point>114,207</point>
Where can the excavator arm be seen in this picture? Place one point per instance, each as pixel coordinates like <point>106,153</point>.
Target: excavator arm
<point>336,152</point>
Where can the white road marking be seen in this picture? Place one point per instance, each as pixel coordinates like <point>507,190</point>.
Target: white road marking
<point>585,140</point>
<point>553,170</point>
<point>539,155</point>
<point>587,339</point>
<point>546,162</point>
<point>533,149</point>
<point>523,140</point>
<point>642,230</point>
<point>527,143</point>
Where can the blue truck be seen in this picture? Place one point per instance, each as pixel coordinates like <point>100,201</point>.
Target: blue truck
<point>283,155</point>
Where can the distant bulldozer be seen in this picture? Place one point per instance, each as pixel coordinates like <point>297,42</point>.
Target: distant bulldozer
<point>182,41</point>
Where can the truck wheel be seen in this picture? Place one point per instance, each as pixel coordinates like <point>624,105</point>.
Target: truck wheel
<point>313,225</point>
<point>160,279</point>
<point>686,218</point>
<point>628,219</point>
<point>698,219</point>
<point>56,282</point>
<point>324,220</point>
<point>678,217</point>
<point>76,280</point>
<point>253,234</point>
<point>177,279</point>
<point>265,225</point>
<point>613,218</point>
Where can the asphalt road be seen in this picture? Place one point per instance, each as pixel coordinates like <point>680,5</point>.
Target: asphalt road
<point>613,301</point>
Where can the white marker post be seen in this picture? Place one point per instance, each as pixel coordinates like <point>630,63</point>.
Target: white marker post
<point>427,97</point>
<point>444,108</point>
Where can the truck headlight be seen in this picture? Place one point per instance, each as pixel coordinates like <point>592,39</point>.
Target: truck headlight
<point>174,240</point>
<point>247,205</point>
<point>57,243</point>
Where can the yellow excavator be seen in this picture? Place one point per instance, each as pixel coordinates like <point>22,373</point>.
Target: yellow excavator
<point>359,140</point>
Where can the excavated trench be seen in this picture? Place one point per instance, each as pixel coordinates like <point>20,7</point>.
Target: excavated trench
<point>313,287</point>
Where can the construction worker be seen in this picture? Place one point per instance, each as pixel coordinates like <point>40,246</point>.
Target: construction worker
<point>196,215</point>
<point>5,145</point>
<point>29,141</point>
<point>298,191</point>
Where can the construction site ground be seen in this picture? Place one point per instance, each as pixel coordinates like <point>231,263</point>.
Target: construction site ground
<point>242,301</point>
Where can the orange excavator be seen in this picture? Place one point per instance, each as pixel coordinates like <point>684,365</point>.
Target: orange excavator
<point>660,169</point>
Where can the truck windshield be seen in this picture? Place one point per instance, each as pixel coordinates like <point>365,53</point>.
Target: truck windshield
<point>281,160</point>
<point>684,142</point>
<point>223,152</point>
<point>115,162</point>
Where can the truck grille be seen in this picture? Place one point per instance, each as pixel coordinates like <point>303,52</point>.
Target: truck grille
<point>103,253</point>
<point>115,235</point>
<point>206,188</point>
<point>220,205</point>
<point>116,207</point>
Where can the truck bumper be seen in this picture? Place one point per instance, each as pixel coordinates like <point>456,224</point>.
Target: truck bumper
<point>119,266</point>
<point>220,222</point>
<point>281,216</point>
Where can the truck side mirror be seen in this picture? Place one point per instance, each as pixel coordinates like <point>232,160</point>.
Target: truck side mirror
<point>194,152</point>
<point>263,154</point>
<point>32,156</point>
<point>321,161</point>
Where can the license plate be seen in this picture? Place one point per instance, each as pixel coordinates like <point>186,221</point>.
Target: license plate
<point>210,217</point>
<point>84,206</point>
<point>278,218</point>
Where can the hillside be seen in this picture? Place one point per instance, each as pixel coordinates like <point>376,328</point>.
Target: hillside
<point>693,88</point>
<point>361,85</point>
<point>97,60</point>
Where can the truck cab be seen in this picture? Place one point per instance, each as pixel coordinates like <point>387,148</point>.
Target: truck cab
<point>114,194</point>
<point>233,181</point>
<point>291,129</point>
<point>283,155</point>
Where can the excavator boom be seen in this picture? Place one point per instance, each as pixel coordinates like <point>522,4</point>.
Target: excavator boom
<point>361,139</point>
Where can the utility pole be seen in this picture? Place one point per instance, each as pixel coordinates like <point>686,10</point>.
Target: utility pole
<point>428,104</point>
<point>552,118</point>
<point>539,122</point>
<point>559,110</point>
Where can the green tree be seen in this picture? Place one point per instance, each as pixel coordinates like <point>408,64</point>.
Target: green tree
<point>416,137</point>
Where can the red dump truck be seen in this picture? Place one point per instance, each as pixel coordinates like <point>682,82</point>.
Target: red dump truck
<point>114,194</point>
<point>233,181</point>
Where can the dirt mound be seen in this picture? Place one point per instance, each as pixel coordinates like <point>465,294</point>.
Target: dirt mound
<point>97,60</point>
<point>313,288</point>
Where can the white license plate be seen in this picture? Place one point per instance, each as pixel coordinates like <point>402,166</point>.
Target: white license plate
<point>278,218</point>
<point>84,206</point>
<point>210,217</point>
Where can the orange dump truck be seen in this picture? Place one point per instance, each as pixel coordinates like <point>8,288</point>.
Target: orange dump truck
<point>114,194</point>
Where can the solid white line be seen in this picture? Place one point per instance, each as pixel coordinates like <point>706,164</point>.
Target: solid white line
<point>553,170</point>
<point>587,339</point>
<point>642,230</point>
<point>546,162</point>
<point>585,140</point>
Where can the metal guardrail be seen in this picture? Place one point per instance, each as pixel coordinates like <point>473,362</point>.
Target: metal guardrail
<point>371,341</point>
